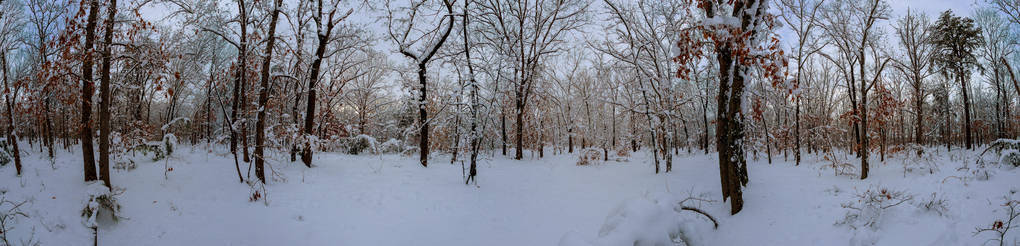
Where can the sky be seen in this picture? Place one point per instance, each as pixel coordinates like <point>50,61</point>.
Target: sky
<point>933,7</point>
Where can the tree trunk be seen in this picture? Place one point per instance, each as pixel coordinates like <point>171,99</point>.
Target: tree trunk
<point>239,80</point>
<point>12,133</point>
<point>796,131</point>
<point>730,129</point>
<point>519,106</point>
<point>502,127</point>
<point>423,143</point>
<point>474,134</point>
<point>966,110</point>
<point>864,115</point>
<point>919,110</point>
<point>87,89</point>
<point>104,95</point>
<point>260,124</point>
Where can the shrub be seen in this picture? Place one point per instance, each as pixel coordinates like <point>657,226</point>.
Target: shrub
<point>151,147</point>
<point>391,146</point>
<point>935,204</point>
<point>1002,226</point>
<point>839,167</point>
<point>98,198</point>
<point>870,205</point>
<point>1008,150</point>
<point>653,219</point>
<point>623,152</point>
<point>916,160</point>
<point>1011,157</point>
<point>9,213</point>
<point>127,165</point>
<point>588,156</point>
<point>361,143</point>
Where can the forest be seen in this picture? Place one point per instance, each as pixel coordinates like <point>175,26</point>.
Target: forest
<point>499,122</point>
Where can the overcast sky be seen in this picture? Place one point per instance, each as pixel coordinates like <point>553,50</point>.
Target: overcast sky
<point>933,7</point>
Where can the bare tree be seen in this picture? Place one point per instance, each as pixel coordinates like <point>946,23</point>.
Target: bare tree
<point>851,24</point>
<point>10,24</point>
<point>419,42</point>
<point>802,17</point>
<point>323,34</point>
<point>915,33</point>
<point>527,33</point>
<point>260,123</point>
<point>998,41</point>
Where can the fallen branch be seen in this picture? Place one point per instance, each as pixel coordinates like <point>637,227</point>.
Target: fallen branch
<point>696,210</point>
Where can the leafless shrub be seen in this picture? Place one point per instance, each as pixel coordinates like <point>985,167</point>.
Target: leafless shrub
<point>916,160</point>
<point>9,213</point>
<point>1002,226</point>
<point>126,165</point>
<point>839,167</point>
<point>870,205</point>
<point>935,203</point>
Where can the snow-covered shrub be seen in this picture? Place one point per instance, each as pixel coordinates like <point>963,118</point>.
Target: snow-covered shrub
<point>1002,226</point>
<point>1008,150</point>
<point>868,207</point>
<point>653,219</point>
<point>151,148</point>
<point>934,204</point>
<point>409,151</point>
<point>839,167</point>
<point>588,156</point>
<point>126,165</point>
<point>258,192</point>
<point>916,160</point>
<point>1004,144</point>
<point>1010,157</point>
<point>169,143</point>
<point>391,146</point>
<point>98,199</point>
<point>159,149</point>
<point>361,143</point>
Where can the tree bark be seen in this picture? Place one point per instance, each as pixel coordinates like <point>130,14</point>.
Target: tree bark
<point>104,95</point>
<point>423,141</point>
<point>87,88</point>
<point>239,80</point>
<point>306,150</point>
<point>475,137</point>
<point>864,116</point>
<point>519,106</point>
<point>730,129</point>
<point>966,110</point>
<point>260,123</point>
<point>12,133</point>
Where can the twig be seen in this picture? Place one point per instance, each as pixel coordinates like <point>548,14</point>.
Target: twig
<point>696,210</point>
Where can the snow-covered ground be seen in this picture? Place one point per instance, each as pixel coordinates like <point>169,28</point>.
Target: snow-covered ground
<point>391,200</point>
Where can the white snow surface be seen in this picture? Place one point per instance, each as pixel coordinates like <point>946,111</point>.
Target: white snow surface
<point>392,200</point>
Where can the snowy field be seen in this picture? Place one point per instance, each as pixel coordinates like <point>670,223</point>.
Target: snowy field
<point>391,200</point>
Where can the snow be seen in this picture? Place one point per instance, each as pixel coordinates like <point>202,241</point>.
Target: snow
<point>724,20</point>
<point>93,190</point>
<point>392,200</point>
